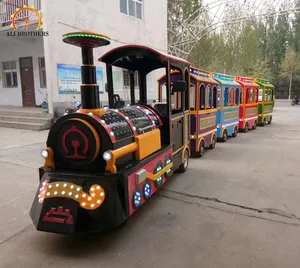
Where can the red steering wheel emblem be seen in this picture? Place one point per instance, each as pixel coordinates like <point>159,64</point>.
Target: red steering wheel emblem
<point>75,144</point>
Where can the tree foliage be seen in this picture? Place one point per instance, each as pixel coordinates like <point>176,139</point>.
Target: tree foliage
<point>266,48</point>
<point>290,64</point>
<point>261,68</point>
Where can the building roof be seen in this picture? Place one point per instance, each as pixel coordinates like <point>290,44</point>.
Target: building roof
<point>142,58</point>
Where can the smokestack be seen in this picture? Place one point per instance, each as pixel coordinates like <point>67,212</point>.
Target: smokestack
<point>89,88</point>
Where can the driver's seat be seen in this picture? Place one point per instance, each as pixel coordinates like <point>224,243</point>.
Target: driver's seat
<point>118,103</point>
<point>162,108</point>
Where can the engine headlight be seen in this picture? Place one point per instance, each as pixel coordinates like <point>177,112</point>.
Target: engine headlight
<point>44,153</point>
<point>107,156</point>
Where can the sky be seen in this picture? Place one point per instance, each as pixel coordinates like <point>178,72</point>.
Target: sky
<point>216,7</point>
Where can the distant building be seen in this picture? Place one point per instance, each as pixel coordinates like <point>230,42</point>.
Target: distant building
<point>29,64</point>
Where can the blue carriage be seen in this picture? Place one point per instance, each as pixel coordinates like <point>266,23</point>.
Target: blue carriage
<point>229,97</point>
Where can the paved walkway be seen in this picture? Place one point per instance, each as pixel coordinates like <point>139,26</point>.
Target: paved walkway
<point>235,207</point>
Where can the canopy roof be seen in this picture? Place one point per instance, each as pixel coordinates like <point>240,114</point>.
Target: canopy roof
<point>204,79</point>
<point>245,81</point>
<point>141,58</point>
<point>199,78</point>
<point>202,75</point>
<point>263,82</point>
<point>224,79</point>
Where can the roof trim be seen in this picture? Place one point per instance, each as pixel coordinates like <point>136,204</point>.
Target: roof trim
<point>248,84</point>
<point>263,82</point>
<point>204,79</point>
<point>158,53</point>
<point>227,83</point>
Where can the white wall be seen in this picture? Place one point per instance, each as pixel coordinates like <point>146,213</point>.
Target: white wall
<point>101,16</point>
<point>11,50</point>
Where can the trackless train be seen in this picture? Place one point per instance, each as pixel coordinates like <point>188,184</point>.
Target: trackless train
<point>102,164</point>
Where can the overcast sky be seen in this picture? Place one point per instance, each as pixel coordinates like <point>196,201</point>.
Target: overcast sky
<point>216,7</point>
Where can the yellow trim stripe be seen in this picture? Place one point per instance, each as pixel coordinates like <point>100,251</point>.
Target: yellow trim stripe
<point>254,104</point>
<point>228,107</point>
<point>193,137</point>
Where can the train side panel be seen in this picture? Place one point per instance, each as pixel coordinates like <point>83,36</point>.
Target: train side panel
<point>228,118</point>
<point>206,122</point>
<point>248,114</point>
<point>207,127</point>
<point>265,111</point>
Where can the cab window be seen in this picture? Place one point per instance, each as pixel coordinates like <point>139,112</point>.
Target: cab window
<point>254,95</point>
<point>251,96</point>
<point>219,97</point>
<point>176,103</point>
<point>260,95</point>
<point>271,94</point>
<point>232,96</point>
<point>248,95</point>
<point>164,94</point>
<point>237,99</point>
<point>226,96</point>
<point>242,94</point>
<point>208,97</point>
<point>214,97</point>
<point>192,97</point>
<point>266,94</point>
<point>202,97</point>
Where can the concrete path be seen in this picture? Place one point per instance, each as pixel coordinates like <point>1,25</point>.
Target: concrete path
<point>235,207</point>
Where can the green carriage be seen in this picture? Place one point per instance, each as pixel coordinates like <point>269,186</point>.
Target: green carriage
<point>265,101</point>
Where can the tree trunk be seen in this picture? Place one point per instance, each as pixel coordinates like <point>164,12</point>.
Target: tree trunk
<point>290,88</point>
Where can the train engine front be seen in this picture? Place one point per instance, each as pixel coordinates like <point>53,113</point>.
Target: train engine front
<point>80,190</point>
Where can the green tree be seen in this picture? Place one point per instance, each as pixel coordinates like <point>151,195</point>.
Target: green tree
<point>296,31</point>
<point>290,66</point>
<point>179,11</point>
<point>249,49</point>
<point>262,69</point>
<point>208,50</point>
<point>282,34</point>
<point>255,47</point>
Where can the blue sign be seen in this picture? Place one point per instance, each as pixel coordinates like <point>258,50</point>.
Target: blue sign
<point>69,79</point>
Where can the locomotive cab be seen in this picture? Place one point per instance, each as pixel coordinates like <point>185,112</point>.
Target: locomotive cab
<point>144,60</point>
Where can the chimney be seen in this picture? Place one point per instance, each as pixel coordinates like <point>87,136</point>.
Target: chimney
<point>88,41</point>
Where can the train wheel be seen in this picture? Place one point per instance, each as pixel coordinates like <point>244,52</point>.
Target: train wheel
<point>270,120</point>
<point>202,148</point>
<point>200,153</point>
<point>255,124</point>
<point>213,145</point>
<point>246,127</point>
<point>183,167</point>
<point>224,138</point>
<point>235,132</point>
